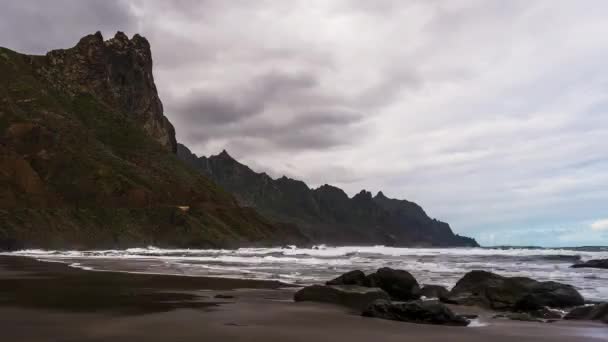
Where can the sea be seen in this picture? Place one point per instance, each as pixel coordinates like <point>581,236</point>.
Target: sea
<point>304,266</point>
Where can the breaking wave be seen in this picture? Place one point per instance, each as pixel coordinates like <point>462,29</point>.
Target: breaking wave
<point>443,266</point>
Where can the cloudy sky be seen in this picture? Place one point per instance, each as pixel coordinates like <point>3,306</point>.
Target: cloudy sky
<point>490,114</point>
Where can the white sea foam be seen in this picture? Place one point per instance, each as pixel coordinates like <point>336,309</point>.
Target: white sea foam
<point>309,265</point>
<point>476,323</point>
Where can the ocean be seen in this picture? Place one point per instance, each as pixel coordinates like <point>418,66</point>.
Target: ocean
<point>303,266</point>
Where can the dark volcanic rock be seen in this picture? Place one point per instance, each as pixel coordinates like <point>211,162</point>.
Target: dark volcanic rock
<point>597,312</point>
<point>353,296</point>
<point>596,263</point>
<point>489,290</point>
<point>426,312</point>
<point>399,284</point>
<point>504,293</point>
<point>326,214</point>
<point>434,291</point>
<point>355,277</point>
<point>551,294</point>
<point>119,73</point>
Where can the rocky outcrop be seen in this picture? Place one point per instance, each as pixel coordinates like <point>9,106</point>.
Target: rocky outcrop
<point>327,214</point>
<point>597,263</point>
<point>86,159</point>
<point>434,291</point>
<point>352,296</point>
<point>355,277</point>
<point>425,312</point>
<point>399,284</point>
<point>118,72</point>
<point>596,312</point>
<point>491,290</point>
<point>549,294</point>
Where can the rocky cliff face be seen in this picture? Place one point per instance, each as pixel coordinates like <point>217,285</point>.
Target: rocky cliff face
<point>119,73</point>
<point>327,214</point>
<point>86,158</point>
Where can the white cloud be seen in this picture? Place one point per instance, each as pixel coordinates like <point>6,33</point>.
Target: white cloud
<point>600,225</point>
<point>493,115</point>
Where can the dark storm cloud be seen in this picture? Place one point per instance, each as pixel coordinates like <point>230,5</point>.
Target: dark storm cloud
<point>274,111</point>
<point>227,106</point>
<point>36,27</point>
<point>313,130</point>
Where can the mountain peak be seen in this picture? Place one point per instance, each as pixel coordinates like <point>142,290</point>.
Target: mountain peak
<point>121,36</point>
<point>363,194</point>
<point>380,195</point>
<point>117,72</point>
<point>224,155</point>
<point>360,219</point>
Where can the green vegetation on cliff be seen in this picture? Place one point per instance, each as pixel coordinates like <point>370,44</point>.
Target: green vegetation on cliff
<point>326,214</point>
<point>86,158</point>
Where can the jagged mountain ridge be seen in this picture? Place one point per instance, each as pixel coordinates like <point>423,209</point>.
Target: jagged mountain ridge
<point>87,158</point>
<point>326,214</point>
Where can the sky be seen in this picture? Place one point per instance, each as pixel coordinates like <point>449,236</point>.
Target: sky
<point>492,115</point>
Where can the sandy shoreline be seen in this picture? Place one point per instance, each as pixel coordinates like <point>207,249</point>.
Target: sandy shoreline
<point>53,302</point>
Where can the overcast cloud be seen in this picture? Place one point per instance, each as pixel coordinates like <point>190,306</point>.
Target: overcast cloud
<point>490,114</point>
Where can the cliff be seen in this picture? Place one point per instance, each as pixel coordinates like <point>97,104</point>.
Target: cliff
<point>327,214</point>
<point>87,158</point>
<point>117,72</point>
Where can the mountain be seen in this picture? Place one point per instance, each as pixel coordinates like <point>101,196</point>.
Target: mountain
<point>87,158</point>
<point>327,214</point>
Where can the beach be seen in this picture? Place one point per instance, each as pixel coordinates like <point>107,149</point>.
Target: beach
<point>42,301</point>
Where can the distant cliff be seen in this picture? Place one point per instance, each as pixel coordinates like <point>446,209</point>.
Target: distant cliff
<point>327,214</point>
<point>87,158</point>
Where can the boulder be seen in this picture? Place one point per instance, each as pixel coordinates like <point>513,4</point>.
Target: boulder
<point>597,312</point>
<point>399,284</point>
<point>434,291</point>
<point>355,277</point>
<point>353,296</point>
<point>551,294</point>
<point>425,312</point>
<point>491,290</point>
<point>596,263</point>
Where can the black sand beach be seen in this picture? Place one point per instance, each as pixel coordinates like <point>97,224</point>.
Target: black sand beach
<point>52,302</point>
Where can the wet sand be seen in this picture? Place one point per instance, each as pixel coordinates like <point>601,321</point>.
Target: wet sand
<point>53,302</point>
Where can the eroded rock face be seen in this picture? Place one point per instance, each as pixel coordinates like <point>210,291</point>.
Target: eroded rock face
<point>353,296</point>
<point>491,290</point>
<point>425,312</point>
<point>119,73</point>
<point>399,284</point>
<point>355,277</point>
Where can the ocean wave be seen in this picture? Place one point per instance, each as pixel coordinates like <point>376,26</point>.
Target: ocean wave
<point>328,252</point>
<point>441,266</point>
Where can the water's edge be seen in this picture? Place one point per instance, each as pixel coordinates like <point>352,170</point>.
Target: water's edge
<point>302,266</point>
